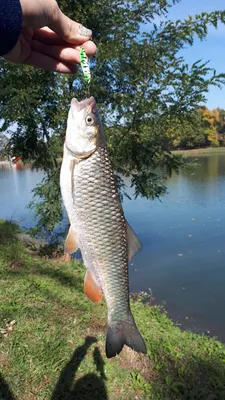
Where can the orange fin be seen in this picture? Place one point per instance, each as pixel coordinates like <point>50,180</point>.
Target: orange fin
<point>92,288</point>
<point>71,245</point>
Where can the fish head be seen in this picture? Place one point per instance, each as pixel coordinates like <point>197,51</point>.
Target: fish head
<point>83,128</point>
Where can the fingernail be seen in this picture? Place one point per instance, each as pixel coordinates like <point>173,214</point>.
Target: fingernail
<point>84,31</point>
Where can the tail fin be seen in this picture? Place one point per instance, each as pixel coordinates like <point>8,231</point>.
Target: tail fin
<point>124,332</point>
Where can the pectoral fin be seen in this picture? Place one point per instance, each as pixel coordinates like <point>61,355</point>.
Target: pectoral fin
<point>134,244</point>
<point>91,288</point>
<point>71,245</point>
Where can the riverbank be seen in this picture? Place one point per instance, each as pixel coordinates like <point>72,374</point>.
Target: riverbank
<point>5,164</point>
<point>52,339</point>
<point>201,151</point>
<point>19,165</point>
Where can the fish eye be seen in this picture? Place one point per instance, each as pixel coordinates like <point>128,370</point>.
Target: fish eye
<point>90,120</point>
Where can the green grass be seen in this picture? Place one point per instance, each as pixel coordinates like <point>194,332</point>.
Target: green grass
<point>199,152</point>
<point>54,348</point>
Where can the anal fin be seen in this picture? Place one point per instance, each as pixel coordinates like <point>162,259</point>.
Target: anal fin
<point>71,245</point>
<point>91,288</point>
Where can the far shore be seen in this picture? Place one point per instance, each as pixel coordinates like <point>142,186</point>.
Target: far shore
<point>200,151</point>
<point>186,153</point>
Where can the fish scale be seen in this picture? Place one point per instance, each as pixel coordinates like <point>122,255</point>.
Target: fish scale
<point>102,232</point>
<point>98,226</point>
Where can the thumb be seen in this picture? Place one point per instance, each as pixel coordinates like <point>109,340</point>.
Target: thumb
<point>69,30</point>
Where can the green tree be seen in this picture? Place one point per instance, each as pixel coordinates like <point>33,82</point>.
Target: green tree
<point>187,133</point>
<point>221,127</point>
<point>141,84</point>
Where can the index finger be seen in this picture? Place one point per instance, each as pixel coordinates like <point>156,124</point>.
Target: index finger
<point>48,37</point>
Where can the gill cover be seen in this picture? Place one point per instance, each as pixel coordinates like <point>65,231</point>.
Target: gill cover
<point>82,128</point>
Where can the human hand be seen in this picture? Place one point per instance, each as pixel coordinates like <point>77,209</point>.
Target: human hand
<point>49,39</point>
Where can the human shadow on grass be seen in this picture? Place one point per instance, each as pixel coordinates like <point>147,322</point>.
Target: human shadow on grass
<point>5,392</point>
<point>90,386</point>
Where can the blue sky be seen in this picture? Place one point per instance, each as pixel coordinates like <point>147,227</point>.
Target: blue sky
<point>212,49</point>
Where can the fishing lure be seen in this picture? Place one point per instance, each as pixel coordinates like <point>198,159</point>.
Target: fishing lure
<point>85,66</point>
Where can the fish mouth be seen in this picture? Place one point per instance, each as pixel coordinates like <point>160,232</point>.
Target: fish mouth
<point>80,105</point>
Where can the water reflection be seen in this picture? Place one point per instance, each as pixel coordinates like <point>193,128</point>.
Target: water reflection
<point>15,193</point>
<point>204,184</point>
<point>182,259</point>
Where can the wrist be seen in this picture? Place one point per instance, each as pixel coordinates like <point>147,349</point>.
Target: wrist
<point>35,13</point>
<point>23,4</point>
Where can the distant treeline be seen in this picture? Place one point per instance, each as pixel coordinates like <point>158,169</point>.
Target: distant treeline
<point>205,128</point>
<point>198,129</point>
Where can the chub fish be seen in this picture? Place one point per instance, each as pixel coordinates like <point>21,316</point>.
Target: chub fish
<point>97,223</point>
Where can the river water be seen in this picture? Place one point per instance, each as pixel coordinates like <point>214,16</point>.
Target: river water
<point>183,256</point>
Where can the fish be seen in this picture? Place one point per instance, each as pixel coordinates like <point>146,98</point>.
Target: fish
<point>97,223</point>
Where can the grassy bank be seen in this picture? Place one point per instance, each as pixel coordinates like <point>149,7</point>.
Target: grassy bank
<point>52,340</point>
<point>199,152</point>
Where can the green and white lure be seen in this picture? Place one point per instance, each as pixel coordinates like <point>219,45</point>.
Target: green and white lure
<point>84,65</point>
